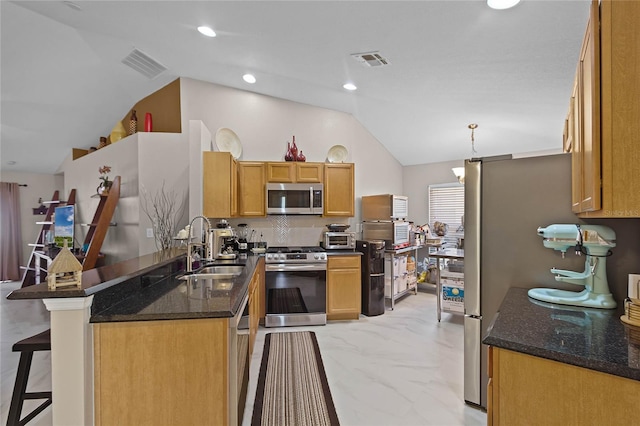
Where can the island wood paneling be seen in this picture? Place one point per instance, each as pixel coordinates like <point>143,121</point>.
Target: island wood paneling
<point>161,372</point>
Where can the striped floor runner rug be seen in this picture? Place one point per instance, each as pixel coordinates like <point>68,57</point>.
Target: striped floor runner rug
<point>292,385</point>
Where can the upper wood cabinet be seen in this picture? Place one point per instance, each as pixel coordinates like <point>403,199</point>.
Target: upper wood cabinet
<point>251,188</point>
<point>294,172</point>
<point>219,185</point>
<point>606,165</point>
<point>309,172</point>
<point>339,189</point>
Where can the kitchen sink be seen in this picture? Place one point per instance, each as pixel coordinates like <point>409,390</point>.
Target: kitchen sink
<point>216,272</point>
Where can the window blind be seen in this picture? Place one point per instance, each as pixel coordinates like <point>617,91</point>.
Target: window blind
<point>446,204</point>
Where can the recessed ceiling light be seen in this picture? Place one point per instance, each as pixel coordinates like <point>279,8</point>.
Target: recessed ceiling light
<point>502,4</point>
<point>207,31</point>
<point>249,78</point>
<point>349,86</point>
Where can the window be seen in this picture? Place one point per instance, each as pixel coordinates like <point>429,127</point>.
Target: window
<point>446,204</point>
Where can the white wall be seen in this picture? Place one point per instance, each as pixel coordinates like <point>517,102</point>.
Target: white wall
<point>265,124</point>
<point>163,159</point>
<point>121,241</point>
<point>416,186</point>
<point>38,186</point>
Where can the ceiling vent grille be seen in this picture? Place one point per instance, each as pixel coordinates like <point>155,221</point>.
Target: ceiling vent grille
<point>371,59</point>
<point>144,64</point>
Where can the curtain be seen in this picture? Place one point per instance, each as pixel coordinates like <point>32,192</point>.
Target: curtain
<point>10,237</point>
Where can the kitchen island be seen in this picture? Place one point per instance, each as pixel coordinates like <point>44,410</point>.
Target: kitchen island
<point>147,347</point>
<point>554,364</point>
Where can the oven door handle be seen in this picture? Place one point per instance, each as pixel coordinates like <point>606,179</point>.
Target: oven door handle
<point>290,267</point>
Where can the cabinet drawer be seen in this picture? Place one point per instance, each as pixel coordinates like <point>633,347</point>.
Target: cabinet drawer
<point>337,262</point>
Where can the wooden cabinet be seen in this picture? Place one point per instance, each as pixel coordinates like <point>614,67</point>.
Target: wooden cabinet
<point>339,190</point>
<point>251,189</point>
<point>309,172</point>
<point>256,302</point>
<point>295,172</point>
<point>162,372</point>
<point>606,167</point>
<point>524,389</point>
<point>220,185</point>
<point>233,189</point>
<point>343,287</point>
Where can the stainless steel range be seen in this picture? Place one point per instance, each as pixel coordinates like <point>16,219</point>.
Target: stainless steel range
<point>296,286</point>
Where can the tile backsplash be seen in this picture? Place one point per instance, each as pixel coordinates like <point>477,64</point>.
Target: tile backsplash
<point>290,230</point>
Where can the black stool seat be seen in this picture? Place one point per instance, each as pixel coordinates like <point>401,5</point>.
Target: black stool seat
<point>39,342</point>
<point>26,347</point>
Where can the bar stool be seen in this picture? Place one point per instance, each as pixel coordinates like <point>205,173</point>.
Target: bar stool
<point>26,347</point>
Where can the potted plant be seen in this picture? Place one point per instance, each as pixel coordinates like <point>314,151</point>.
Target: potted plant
<point>105,183</point>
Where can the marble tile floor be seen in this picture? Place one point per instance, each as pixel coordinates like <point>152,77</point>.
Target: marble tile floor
<point>400,368</point>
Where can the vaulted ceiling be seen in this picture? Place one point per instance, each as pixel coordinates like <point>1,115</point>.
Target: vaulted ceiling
<point>452,63</point>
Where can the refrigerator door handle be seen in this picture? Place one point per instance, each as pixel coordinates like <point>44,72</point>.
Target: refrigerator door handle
<point>377,275</point>
<point>473,237</point>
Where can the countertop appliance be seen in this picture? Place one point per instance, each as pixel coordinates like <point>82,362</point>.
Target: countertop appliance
<point>296,286</point>
<point>384,207</point>
<point>505,200</point>
<point>395,233</point>
<point>595,242</point>
<point>372,273</point>
<point>338,240</point>
<point>294,198</point>
<point>384,218</point>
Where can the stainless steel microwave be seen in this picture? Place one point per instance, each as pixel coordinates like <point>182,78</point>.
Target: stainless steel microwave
<point>396,234</point>
<point>294,198</point>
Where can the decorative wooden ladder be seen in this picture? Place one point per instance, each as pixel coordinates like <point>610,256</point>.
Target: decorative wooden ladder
<point>28,278</point>
<point>100,224</point>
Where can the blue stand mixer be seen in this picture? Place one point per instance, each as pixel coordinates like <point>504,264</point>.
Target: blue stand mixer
<point>595,242</point>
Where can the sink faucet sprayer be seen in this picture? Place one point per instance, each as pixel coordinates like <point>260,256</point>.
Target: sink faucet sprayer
<point>191,245</point>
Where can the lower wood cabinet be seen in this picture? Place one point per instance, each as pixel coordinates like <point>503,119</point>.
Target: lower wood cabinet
<point>162,372</point>
<point>256,302</point>
<point>343,287</point>
<point>528,390</point>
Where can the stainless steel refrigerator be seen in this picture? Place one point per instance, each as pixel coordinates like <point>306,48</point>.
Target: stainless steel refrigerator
<point>506,200</point>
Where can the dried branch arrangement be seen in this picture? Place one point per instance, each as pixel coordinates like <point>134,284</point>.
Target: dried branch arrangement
<point>164,209</point>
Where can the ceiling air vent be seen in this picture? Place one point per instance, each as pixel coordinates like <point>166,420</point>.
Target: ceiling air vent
<point>144,64</point>
<point>370,59</point>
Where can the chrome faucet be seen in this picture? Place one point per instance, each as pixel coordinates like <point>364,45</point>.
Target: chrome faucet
<point>191,245</point>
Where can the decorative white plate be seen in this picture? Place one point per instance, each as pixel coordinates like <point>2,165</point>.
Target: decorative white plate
<point>337,154</point>
<point>228,141</point>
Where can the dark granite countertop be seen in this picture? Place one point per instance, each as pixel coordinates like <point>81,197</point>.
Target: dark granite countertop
<point>149,288</point>
<point>586,337</point>
<point>99,279</point>
<point>175,298</point>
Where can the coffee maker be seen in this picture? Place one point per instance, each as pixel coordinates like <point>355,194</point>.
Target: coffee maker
<point>221,243</point>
